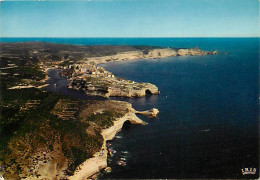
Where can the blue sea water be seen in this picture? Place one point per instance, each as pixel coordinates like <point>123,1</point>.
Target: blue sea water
<point>209,107</point>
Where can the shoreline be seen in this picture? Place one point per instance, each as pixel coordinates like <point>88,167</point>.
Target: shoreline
<point>146,55</point>
<point>86,69</point>
<point>89,76</point>
<point>95,164</point>
<point>99,161</point>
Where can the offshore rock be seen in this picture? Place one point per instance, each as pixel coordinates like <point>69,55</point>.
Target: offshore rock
<point>150,113</point>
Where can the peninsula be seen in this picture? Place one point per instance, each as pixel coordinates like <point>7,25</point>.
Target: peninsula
<point>46,135</point>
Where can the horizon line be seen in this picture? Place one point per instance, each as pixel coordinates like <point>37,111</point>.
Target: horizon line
<point>137,37</point>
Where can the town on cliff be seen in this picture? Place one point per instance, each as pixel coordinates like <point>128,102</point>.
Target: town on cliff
<point>87,76</point>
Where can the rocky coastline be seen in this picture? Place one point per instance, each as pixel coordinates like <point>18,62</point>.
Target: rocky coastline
<point>87,76</point>
<point>99,160</point>
<point>69,134</point>
<point>148,54</point>
<point>112,87</point>
<point>118,87</point>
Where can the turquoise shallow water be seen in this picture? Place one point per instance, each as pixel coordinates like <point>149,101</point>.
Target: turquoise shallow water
<point>208,121</point>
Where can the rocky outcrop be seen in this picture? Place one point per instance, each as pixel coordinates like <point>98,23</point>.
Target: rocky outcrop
<point>91,165</point>
<point>191,52</point>
<point>113,87</point>
<point>149,54</point>
<point>130,91</point>
<point>150,113</point>
<point>99,160</point>
<point>109,133</point>
<point>184,52</point>
<point>98,84</point>
<point>160,53</point>
<point>72,146</point>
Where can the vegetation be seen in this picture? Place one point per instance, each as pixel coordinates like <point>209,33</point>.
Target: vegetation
<point>30,121</point>
<point>95,81</point>
<point>104,119</point>
<point>38,128</point>
<point>34,52</point>
<point>20,74</point>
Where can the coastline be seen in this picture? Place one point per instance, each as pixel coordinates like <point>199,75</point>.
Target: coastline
<point>87,76</point>
<point>117,87</point>
<point>99,161</point>
<point>148,54</point>
<point>207,77</point>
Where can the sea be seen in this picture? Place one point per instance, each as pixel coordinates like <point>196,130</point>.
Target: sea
<point>208,125</point>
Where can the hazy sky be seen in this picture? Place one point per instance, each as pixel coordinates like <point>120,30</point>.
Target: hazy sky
<point>130,18</point>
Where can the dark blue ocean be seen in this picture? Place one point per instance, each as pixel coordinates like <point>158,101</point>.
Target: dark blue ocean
<point>208,123</point>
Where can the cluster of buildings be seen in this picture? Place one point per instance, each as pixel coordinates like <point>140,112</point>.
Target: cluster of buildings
<point>91,70</point>
<point>78,69</point>
<point>85,69</point>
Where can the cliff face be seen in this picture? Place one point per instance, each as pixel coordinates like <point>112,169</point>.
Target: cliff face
<point>112,87</point>
<point>91,165</point>
<point>110,133</point>
<point>149,54</point>
<point>58,136</point>
<point>150,113</point>
<point>191,52</point>
<point>99,160</point>
<point>161,53</point>
<point>107,85</point>
<point>130,91</point>
<point>47,136</point>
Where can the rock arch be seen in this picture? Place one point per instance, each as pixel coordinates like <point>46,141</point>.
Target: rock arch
<point>127,124</point>
<point>148,92</point>
<point>110,132</point>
